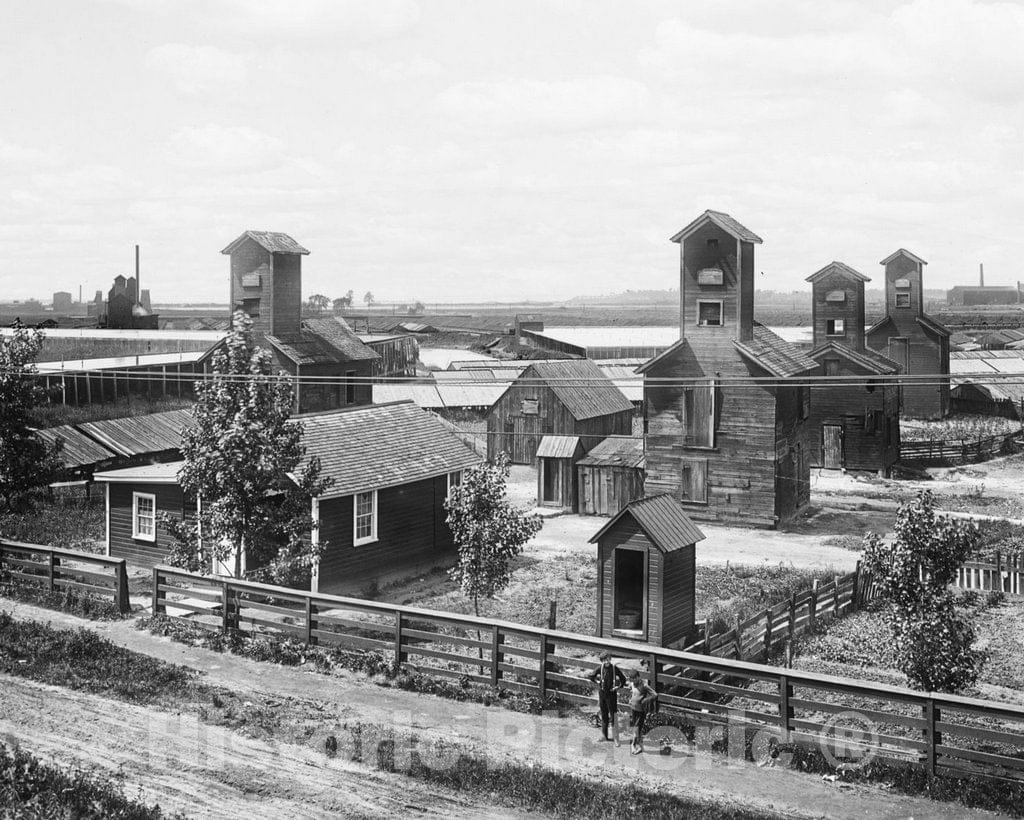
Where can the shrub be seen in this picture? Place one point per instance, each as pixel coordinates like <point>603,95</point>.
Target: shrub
<point>993,598</point>
<point>70,600</point>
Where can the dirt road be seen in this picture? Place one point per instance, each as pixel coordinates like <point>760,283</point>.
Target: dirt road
<point>296,774</point>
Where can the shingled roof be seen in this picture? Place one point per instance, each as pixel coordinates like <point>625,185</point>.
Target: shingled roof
<point>777,356</point>
<point>837,267</point>
<point>902,252</point>
<point>272,241</point>
<point>384,445</point>
<point>723,221</point>
<point>322,341</point>
<point>662,519</point>
<point>867,358</point>
<point>581,386</point>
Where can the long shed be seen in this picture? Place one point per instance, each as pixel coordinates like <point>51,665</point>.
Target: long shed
<point>571,397</point>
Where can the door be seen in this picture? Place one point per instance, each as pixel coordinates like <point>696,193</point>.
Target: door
<point>551,480</point>
<point>586,492</point>
<point>832,446</point>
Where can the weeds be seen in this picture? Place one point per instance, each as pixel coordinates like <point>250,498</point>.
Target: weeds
<point>70,600</point>
<point>68,521</point>
<point>31,788</point>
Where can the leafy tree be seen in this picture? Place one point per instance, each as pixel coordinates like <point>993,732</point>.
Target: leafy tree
<point>238,459</point>
<point>489,532</point>
<point>342,302</point>
<point>933,641</point>
<point>418,308</point>
<point>318,303</point>
<point>27,463</point>
<point>368,298</point>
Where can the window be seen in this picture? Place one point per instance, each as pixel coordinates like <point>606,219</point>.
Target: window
<point>803,401</point>
<point>251,307</point>
<point>710,276</point>
<point>350,387</point>
<point>903,299</point>
<point>698,415</point>
<point>693,486</point>
<point>251,280</point>
<point>836,296</point>
<point>712,244</point>
<point>364,518</point>
<point>869,422</point>
<point>835,327</point>
<point>454,480</point>
<point>531,407</point>
<point>831,367</point>
<point>709,314</point>
<point>144,516</point>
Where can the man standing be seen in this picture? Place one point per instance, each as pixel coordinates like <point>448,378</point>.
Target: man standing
<point>641,700</point>
<point>608,678</point>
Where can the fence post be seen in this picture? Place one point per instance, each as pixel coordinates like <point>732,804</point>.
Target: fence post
<point>931,737</point>
<point>158,594</point>
<point>792,616</point>
<point>542,678</point>
<point>738,639</point>
<point>855,598</point>
<point>226,608</point>
<point>121,577</point>
<point>812,606</point>
<point>552,614</point>
<point>785,712</point>
<point>835,597</point>
<point>496,655</point>
<point>398,637</point>
<point>51,566</point>
<point>310,639</point>
<point>999,571</point>
<point>768,619</point>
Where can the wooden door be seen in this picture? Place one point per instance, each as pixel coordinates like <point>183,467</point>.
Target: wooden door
<point>832,446</point>
<point>586,491</point>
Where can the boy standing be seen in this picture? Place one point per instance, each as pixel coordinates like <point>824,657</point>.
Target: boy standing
<point>641,698</point>
<point>609,679</point>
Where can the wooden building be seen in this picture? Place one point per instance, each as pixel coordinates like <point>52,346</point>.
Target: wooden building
<point>855,420</point>
<point>911,338</point>
<point>383,516</point>
<point>570,397</point>
<point>557,457</point>
<point>726,406</point>
<point>611,475</point>
<point>646,570</point>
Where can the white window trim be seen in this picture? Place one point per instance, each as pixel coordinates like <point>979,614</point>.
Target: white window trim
<point>721,312</point>
<point>836,331</point>
<point>356,541</point>
<point>449,484</point>
<point>141,536</point>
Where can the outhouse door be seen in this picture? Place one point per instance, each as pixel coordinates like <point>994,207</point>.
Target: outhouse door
<point>832,446</point>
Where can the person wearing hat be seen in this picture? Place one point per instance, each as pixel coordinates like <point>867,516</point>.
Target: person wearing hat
<point>641,699</point>
<point>609,679</point>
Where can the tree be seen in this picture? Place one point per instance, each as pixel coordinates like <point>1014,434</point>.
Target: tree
<point>238,459</point>
<point>27,463</point>
<point>368,298</point>
<point>933,641</point>
<point>418,308</point>
<point>342,302</point>
<point>318,303</point>
<point>489,532</point>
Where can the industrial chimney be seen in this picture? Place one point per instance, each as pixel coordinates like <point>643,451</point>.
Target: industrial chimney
<point>981,274</point>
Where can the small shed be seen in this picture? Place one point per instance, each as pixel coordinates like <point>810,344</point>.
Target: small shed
<point>557,457</point>
<point>611,475</point>
<point>646,566</point>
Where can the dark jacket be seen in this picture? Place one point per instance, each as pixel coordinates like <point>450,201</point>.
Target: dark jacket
<point>607,676</point>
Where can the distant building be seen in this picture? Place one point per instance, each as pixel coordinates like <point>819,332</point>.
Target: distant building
<point>975,295</point>
<point>725,407</point>
<point>62,302</point>
<point>853,424</point>
<point>914,340</point>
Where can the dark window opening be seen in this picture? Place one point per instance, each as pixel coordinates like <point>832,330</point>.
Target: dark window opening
<point>350,387</point>
<point>531,407</point>
<point>902,300</point>
<point>709,314</point>
<point>629,589</point>
<point>831,367</point>
<point>251,307</point>
<point>713,244</point>
<point>835,327</point>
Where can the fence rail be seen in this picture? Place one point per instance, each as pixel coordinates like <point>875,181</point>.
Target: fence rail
<point>945,733</point>
<point>59,569</point>
<point>1003,574</point>
<point>959,451</point>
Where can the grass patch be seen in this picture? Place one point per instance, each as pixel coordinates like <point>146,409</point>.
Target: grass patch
<point>69,520</point>
<point>31,788</point>
<point>83,660</point>
<point>82,604</point>
<point>54,415</point>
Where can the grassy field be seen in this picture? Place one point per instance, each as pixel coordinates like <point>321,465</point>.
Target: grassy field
<point>68,521</point>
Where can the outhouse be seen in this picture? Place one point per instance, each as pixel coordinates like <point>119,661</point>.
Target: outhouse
<point>646,564</point>
<point>556,471</point>
<point>611,475</point>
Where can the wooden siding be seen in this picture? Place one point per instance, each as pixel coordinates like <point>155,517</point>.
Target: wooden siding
<point>850,311</point>
<point>604,490</point>
<point>926,355</point>
<point>411,533</point>
<point>741,467</point>
<point>565,495</point>
<point>511,431</point>
<point>669,586</point>
<point>169,499</point>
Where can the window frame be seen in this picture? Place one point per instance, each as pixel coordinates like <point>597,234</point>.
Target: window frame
<point>350,387</point>
<point>689,397</point>
<point>356,515</point>
<point>137,534</point>
<point>904,294</point>
<point>686,479</point>
<point>721,312</point>
<point>835,327</point>
<point>449,483</point>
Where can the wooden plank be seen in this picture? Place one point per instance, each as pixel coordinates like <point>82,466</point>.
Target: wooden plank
<point>204,610</point>
<point>368,626</point>
<point>440,637</point>
<point>719,688</point>
<point>909,721</point>
<point>291,629</point>
<point>205,594</point>
<point>878,738</point>
<point>65,583</point>
<point>470,660</point>
<point>64,571</point>
<point>343,639</point>
<point>978,756</point>
<point>1009,738</point>
<point>277,610</point>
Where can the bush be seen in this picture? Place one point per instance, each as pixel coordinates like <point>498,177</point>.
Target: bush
<point>31,788</point>
<point>865,640</point>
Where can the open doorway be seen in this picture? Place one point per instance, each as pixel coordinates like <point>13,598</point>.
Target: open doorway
<point>629,590</point>
<point>551,472</point>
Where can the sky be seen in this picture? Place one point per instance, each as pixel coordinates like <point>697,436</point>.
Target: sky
<point>471,150</point>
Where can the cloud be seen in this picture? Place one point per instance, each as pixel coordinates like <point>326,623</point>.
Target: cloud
<point>554,105</point>
<point>224,148</point>
<point>414,68</point>
<point>23,156</point>
<point>197,69</point>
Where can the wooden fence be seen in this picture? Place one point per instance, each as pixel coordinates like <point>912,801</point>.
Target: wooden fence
<point>1002,573</point>
<point>959,451</point>
<point>760,636</point>
<point>945,733</point>
<point>59,569</point>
